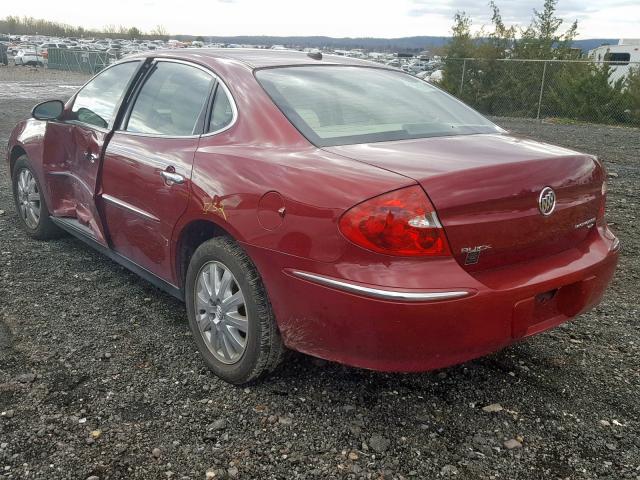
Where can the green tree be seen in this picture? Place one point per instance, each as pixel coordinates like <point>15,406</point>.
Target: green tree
<point>134,33</point>
<point>497,83</point>
<point>460,46</point>
<point>632,90</point>
<point>587,93</point>
<point>543,38</point>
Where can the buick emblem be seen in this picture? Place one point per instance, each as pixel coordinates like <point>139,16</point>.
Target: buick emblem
<point>547,201</point>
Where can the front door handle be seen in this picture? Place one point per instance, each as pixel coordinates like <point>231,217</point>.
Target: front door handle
<point>172,178</point>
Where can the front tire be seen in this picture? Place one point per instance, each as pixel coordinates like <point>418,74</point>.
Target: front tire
<point>229,312</point>
<point>30,202</point>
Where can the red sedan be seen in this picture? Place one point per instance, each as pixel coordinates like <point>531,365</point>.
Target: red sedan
<point>322,204</point>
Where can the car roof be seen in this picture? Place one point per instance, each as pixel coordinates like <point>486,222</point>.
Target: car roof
<point>261,58</point>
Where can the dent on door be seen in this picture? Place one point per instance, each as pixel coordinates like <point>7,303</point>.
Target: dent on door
<point>71,162</point>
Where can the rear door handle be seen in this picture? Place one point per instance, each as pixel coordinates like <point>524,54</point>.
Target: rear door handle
<point>172,178</point>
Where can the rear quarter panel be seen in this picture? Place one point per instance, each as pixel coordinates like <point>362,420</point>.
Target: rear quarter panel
<point>261,153</point>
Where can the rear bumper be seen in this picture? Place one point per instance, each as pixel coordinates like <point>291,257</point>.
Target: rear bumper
<point>375,332</point>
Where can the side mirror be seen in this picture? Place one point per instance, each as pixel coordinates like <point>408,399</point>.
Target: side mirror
<point>50,110</point>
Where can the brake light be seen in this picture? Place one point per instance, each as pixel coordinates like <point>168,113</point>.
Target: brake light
<point>402,222</point>
<point>603,203</point>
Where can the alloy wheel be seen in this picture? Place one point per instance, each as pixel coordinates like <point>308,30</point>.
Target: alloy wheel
<point>221,312</point>
<point>28,199</point>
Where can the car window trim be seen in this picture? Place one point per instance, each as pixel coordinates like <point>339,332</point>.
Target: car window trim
<point>126,113</point>
<point>205,113</point>
<point>234,109</point>
<point>216,82</point>
<point>132,81</point>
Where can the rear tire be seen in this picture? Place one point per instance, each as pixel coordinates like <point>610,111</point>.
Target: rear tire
<point>30,202</point>
<point>229,313</point>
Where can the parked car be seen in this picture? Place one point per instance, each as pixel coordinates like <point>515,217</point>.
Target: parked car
<point>29,56</point>
<point>436,77</point>
<point>322,204</point>
<point>12,49</point>
<point>46,45</point>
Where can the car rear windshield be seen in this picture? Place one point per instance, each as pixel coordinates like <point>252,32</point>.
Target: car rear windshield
<point>339,105</point>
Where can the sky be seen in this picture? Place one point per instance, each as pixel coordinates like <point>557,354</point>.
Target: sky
<point>335,18</point>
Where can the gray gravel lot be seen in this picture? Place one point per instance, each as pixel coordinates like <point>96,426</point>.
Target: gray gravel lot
<point>100,378</point>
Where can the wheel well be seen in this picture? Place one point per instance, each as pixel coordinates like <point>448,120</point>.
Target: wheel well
<point>191,237</point>
<point>16,153</point>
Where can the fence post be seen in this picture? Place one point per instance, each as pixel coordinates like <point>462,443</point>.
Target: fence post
<point>544,74</point>
<point>464,68</point>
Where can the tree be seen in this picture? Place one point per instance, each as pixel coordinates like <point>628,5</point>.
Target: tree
<point>11,25</point>
<point>110,30</point>
<point>632,89</point>
<point>542,39</point>
<point>160,32</point>
<point>134,33</point>
<point>459,47</point>
<point>587,93</point>
<point>496,85</point>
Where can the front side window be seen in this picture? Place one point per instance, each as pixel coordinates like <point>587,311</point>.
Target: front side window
<point>96,103</point>
<point>171,100</point>
<point>348,105</point>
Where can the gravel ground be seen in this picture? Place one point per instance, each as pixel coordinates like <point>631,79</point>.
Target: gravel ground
<point>100,379</point>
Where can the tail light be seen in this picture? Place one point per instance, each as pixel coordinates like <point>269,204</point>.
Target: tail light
<point>603,202</point>
<point>402,222</point>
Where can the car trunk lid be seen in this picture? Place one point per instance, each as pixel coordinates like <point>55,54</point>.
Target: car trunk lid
<point>486,191</point>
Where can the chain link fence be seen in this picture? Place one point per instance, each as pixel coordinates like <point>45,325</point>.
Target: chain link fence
<point>58,66</point>
<point>81,61</point>
<point>584,91</point>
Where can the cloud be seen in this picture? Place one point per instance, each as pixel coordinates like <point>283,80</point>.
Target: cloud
<point>513,11</point>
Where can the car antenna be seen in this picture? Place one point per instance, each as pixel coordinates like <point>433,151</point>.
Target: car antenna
<point>315,54</point>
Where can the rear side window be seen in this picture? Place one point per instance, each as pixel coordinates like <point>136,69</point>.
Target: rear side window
<point>96,103</point>
<point>222,112</point>
<point>171,100</point>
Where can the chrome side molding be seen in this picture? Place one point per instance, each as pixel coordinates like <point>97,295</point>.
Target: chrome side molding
<point>127,206</point>
<point>383,294</point>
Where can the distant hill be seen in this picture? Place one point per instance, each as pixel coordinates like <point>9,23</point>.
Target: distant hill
<point>591,43</point>
<point>368,43</point>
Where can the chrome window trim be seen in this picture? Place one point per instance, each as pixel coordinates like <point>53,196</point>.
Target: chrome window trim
<point>127,206</point>
<point>219,81</point>
<point>379,293</point>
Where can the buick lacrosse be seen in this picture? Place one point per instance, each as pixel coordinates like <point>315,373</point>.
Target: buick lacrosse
<point>322,204</point>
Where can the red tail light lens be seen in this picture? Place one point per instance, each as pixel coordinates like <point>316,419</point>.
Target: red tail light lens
<point>603,203</point>
<point>402,223</point>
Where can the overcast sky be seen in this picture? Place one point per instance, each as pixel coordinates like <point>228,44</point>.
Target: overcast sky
<point>336,18</point>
